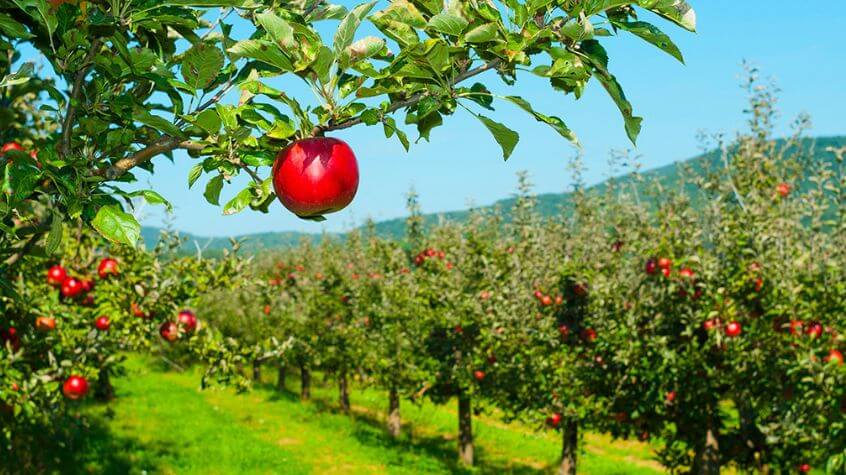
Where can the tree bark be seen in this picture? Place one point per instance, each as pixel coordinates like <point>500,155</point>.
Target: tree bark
<point>257,371</point>
<point>707,458</point>
<point>343,391</point>
<point>305,383</point>
<point>394,420</point>
<point>105,391</point>
<point>280,378</point>
<point>569,447</point>
<point>465,431</point>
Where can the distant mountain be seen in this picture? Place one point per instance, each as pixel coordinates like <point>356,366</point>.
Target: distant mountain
<point>549,204</point>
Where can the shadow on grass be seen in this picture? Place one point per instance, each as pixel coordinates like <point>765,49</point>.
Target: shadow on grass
<point>83,445</point>
<point>369,429</point>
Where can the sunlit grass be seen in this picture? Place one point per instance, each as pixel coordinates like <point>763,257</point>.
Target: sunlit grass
<point>161,422</point>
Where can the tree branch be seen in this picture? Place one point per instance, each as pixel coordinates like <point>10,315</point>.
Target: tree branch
<point>163,145</point>
<point>320,129</point>
<point>67,125</point>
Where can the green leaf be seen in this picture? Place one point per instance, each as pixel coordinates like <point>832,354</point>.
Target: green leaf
<point>448,24</point>
<point>653,35</point>
<point>362,49</point>
<point>346,30</point>
<point>278,29</point>
<point>54,238</point>
<point>24,74</point>
<point>201,64</point>
<point>677,11</point>
<point>262,50</point>
<point>208,120</point>
<point>482,33</point>
<point>116,225</point>
<point>599,59</point>
<point>12,28</point>
<point>210,3</point>
<point>239,202</point>
<point>505,137</point>
<point>213,187</point>
<point>152,198</point>
<point>194,174</point>
<point>161,124</point>
<point>557,124</point>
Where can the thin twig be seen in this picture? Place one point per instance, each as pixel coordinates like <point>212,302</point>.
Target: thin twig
<point>67,125</point>
<point>250,172</point>
<point>320,129</point>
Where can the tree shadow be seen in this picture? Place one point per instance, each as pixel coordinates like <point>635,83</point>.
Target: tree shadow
<point>369,429</point>
<point>82,445</point>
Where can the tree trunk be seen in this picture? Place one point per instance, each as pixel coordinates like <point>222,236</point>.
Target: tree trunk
<point>280,378</point>
<point>343,391</point>
<point>569,447</point>
<point>707,458</point>
<point>256,371</point>
<point>394,421</point>
<point>105,391</point>
<point>465,431</point>
<point>305,383</point>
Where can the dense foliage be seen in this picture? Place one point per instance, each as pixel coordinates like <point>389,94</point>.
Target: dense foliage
<point>706,317</point>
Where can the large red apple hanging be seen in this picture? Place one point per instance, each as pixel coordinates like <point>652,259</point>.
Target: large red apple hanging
<point>315,176</point>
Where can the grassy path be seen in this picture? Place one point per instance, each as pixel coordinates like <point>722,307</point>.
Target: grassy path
<point>162,423</point>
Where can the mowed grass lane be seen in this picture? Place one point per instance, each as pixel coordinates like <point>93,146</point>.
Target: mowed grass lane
<point>161,422</point>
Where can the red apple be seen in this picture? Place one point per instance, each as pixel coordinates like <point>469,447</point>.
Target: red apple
<point>804,468</point>
<point>733,329</point>
<point>814,330</point>
<point>87,285</point>
<point>759,284</point>
<point>666,271</point>
<point>107,267</point>
<point>554,420</point>
<point>580,289</point>
<point>9,146</point>
<point>45,324</point>
<point>710,324</point>
<point>617,246</point>
<point>267,309</point>
<point>589,335</point>
<point>479,375</point>
<point>10,336</point>
<point>651,267</point>
<point>75,387</point>
<point>491,359</point>
<point>564,330</point>
<point>783,189</point>
<point>459,330</point>
<point>103,323</point>
<point>671,396</point>
<point>187,320</point>
<point>538,294</point>
<point>72,287</point>
<point>686,273</point>
<point>665,263</point>
<point>546,300</point>
<point>315,176</point>
<point>169,331</point>
<point>795,327</point>
<point>56,275</point>
<point>834,355</point>
<point>136,310</point>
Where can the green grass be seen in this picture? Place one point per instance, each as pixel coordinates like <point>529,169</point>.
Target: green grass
<point>161,422</point>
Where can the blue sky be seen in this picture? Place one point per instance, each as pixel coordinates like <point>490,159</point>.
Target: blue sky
<point>801,48</point>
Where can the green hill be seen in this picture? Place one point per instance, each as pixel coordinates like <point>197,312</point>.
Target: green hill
<point>549,204</point>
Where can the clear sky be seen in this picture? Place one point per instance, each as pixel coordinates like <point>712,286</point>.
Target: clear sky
<point>799,44</point>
